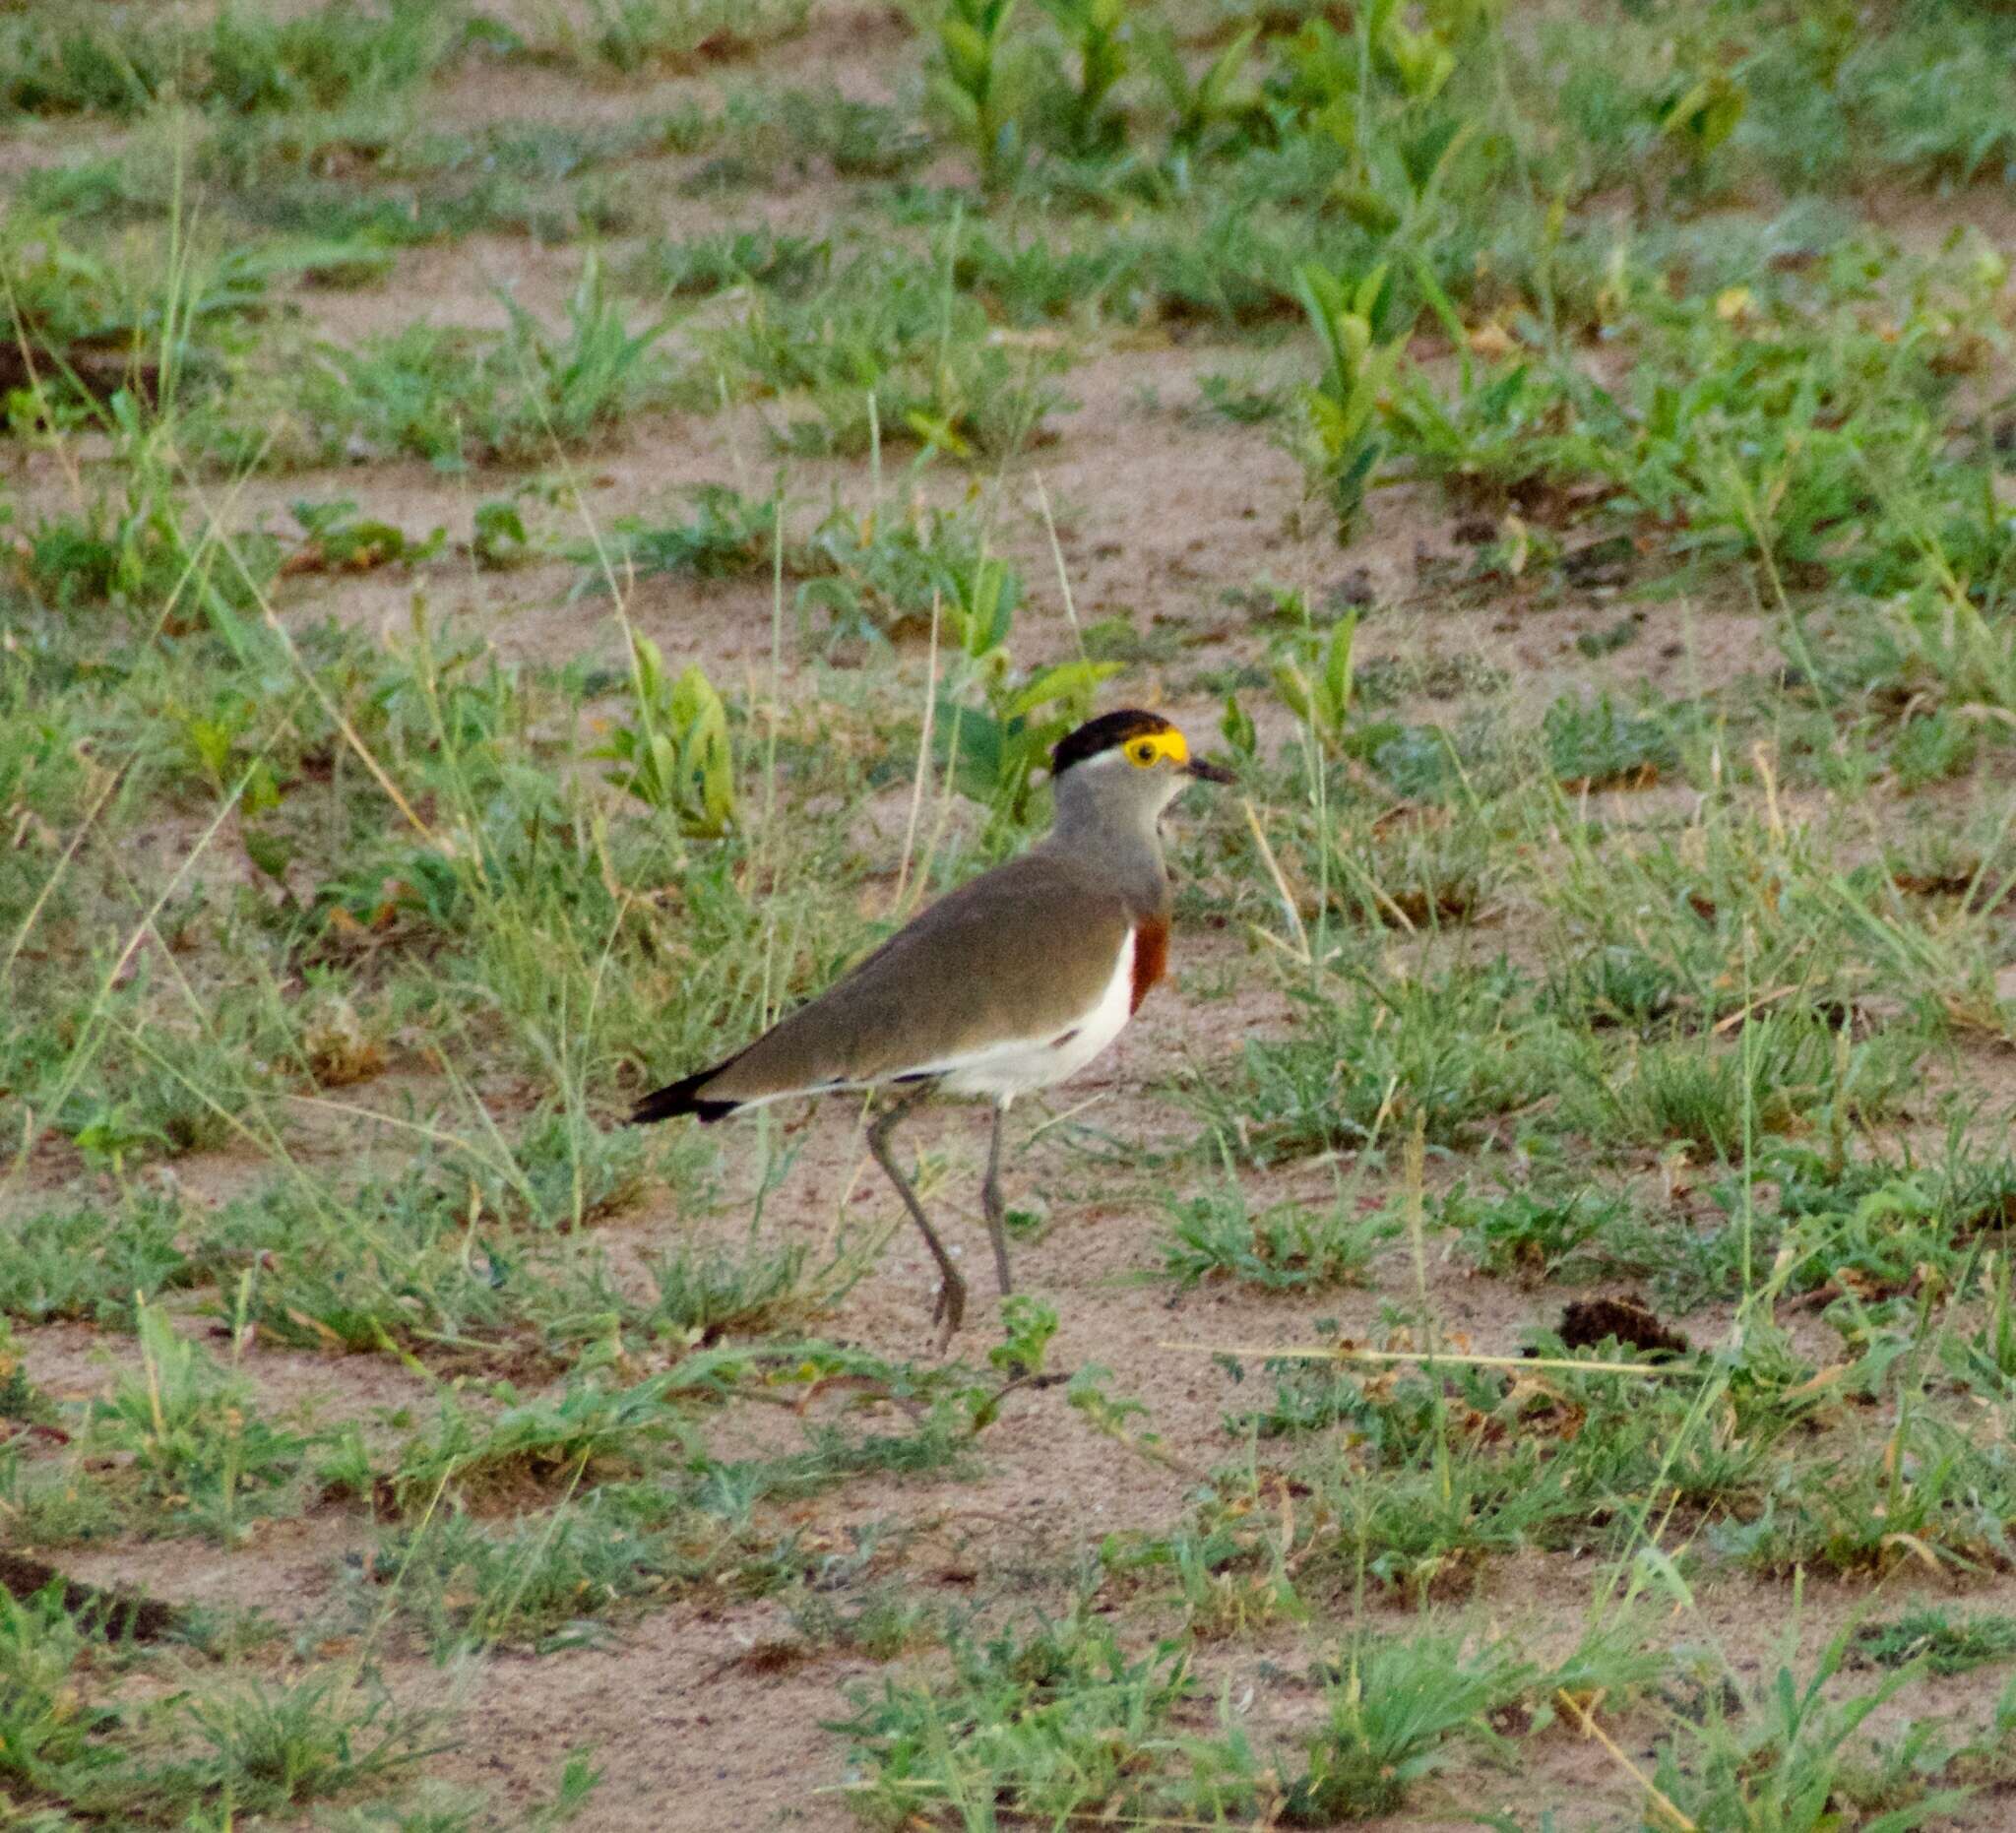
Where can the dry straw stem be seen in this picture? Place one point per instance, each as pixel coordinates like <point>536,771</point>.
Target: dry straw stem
<point>1661,1800</point>
<point>111,782</point>
<point>32,1126</point>
<point>1348,1353</point>
<point>1042,497</point>
<point>924,769</point>
<point>341,721</point>
<point>1300,951</point>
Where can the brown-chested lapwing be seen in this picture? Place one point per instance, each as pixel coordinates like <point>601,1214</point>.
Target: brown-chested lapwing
<point>1012,983</point>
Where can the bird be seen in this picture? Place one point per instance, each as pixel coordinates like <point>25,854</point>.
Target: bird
<point>1012,983</point>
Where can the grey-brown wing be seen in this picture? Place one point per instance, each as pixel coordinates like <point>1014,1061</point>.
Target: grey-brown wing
<point>1023,951</point>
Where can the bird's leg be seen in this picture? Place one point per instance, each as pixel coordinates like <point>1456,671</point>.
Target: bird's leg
<point>950,1310</point>
<point>990,1201</point>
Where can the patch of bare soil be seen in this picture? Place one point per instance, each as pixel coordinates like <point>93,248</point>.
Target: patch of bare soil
<point>123,1611</point>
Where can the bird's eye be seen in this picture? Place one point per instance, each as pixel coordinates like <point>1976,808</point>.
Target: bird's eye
<point>1143,751</point>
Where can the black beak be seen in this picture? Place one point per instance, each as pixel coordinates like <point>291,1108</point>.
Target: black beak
<point>1208,773</point>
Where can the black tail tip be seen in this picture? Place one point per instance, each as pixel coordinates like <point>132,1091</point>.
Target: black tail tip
<point>677,1098</point>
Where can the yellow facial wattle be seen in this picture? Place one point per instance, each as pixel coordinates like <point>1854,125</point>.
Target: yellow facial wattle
<point>1151,748</point>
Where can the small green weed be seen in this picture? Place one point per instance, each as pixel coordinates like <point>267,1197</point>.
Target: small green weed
<point>544,1581</point>
<point>1286,1247</point>
<point>237,60</point>
<point>1931,1634</point>
<point>1535,1235</point>
<point>1790,1759</point>
<point>91,1262</point>
<point>889,350</point>
<point>1321,697</point>
<point>1056,1720</point>
<point>201,1451</point>
<point>1394,1710</point>
<point>676,757</point>
<point>636,34</point>
<point>704,1294</point>
<point>1453,1049</point>
<point>1361,348</point>
<point>982,82</point>
<point>704,265</point>
<point>728,536</point>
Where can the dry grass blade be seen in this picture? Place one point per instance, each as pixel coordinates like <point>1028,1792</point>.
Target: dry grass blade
<point>1301,949</point>
<point>1661,1801</point>
<point>1428,1358</point>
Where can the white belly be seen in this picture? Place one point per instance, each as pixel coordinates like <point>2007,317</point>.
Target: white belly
<point>1002,1071</point>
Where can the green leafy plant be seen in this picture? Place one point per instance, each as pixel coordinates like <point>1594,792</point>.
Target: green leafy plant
<point>543,1440</point>
<point>1533,1234</point>
<point>238,60</point>
<point>1055,1719</point>
<point>1598,746</point>
<point>706,265</point>
<point>728,536</point>
<point>1099,34</point>
<point>1375,97</point>
<point>337,540</point>
<point>1784,1763</point>
<point>1931,1634</point>
<point>90,1261</point>
<point>1341,408</point>
<point>500,540</point>
<point>273,1743</point>
<point>1699,115</point>
<point>1450,1049</point>
<point>634,35</point>
<point>1212,103</point>
<point>882,574</point>
<point>676,757</point>
<point>1321,697</point>
<point>996,749</point>
<point>705,1294</point>
<point>980,82</point>
<point>891,349</point>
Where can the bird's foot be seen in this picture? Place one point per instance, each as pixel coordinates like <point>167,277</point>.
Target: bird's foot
<point>949,1313</point>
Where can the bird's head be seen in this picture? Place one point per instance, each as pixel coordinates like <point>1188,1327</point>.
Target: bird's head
<point>1127,763</point>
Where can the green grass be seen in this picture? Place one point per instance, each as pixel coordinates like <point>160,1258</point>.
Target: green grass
<point>890,349</point>
<point>453,397</point>
<point>241,61</point>
<point>633,35</point>
<point>1453,1051</point>
<point>1947,1645</point>
<point>257,1746</point>
<point>1215,1236</point>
